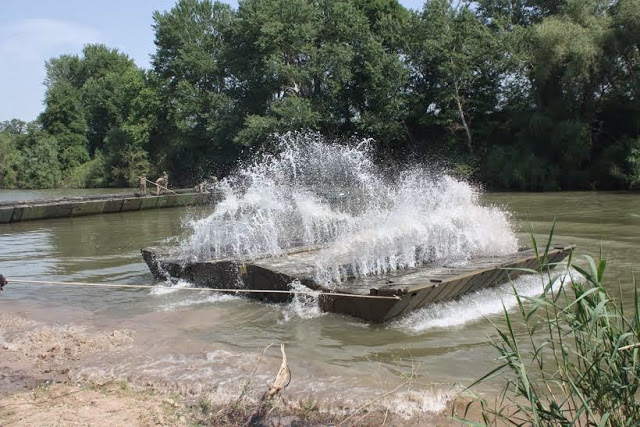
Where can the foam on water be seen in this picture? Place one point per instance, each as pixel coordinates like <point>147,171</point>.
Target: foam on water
<point>170,292</point>
<point>368,221</point>
<point>203,298</point>
<point>169,287</point>
<point>476,306</point>
<point>410,403</point>
<point>303,306</point>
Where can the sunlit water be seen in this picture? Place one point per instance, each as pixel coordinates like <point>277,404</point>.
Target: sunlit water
<point>204,338</point>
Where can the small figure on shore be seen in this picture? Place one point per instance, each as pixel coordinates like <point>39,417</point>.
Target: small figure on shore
<point>142,184</point>
<point>162,181</point>
<point>3,282</point>
<point>206,185</point>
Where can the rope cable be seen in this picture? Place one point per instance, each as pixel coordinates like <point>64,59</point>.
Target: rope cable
<point>193,288</point>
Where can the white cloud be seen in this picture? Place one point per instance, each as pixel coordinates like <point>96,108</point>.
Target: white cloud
<point>37,39</point>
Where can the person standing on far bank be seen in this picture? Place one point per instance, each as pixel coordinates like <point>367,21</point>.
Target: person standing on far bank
<point>142,184</point>
<point>162,181</point>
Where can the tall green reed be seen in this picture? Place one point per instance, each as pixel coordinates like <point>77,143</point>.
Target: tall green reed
<point>577,361</point>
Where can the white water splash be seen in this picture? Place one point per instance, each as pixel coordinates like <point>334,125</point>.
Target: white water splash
<point>316,192</point>
<point>179,299</point>
<point>476,306</point>
<point>410,403</point>
<point>203,298</point>
<point>169,287</point>
<point>302,306</point>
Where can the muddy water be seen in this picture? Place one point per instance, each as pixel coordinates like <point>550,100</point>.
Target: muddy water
<point>182,337</point>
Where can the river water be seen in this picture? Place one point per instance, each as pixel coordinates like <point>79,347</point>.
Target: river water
<point>188,337</point>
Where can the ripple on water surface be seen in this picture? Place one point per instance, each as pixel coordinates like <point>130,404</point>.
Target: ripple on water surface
<point>191,334</point>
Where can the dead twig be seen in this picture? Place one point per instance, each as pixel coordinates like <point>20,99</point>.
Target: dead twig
<point>283,379</point>
<point>630,346</point>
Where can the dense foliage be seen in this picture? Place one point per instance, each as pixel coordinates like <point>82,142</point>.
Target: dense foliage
<point>518,94</point>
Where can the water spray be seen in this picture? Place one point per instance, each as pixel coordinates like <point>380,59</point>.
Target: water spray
<point>315,192</point>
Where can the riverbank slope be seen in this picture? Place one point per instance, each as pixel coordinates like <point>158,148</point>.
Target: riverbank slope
<point>48,378</point>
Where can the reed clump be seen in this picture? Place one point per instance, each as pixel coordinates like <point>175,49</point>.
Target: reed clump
<point>569,357</point>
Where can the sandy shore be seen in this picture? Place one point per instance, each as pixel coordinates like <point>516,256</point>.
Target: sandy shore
<point>43,382</point>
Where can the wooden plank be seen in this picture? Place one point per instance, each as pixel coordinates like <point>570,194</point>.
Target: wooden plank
<point>425,297</point>
<point>422,298</point>
<point>454,288</point>
<point>485,280</point>
<point>437,290</point>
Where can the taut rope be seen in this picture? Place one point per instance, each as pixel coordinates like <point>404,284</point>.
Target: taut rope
<point>4,281</point>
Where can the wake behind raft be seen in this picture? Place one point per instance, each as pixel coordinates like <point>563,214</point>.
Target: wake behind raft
<point>372,298</point>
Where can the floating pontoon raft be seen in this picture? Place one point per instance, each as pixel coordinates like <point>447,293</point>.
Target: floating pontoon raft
<point>398,292</point>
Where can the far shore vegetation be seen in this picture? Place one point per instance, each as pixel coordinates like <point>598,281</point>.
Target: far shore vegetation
<point>521,95</point>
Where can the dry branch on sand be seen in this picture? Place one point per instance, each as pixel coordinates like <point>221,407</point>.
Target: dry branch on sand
<point>283,378</point>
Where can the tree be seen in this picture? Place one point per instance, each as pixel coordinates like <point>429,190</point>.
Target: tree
<point>10,159</point>
<point>192,83</point>
<point>39,166</point>
<point>456,67</point>
<point>338,62</point>
<point>64,119</point>
<point>86,97</point>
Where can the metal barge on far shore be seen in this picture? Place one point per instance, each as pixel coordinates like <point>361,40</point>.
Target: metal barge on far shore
<point>30,210</point>
<point>372,298</point>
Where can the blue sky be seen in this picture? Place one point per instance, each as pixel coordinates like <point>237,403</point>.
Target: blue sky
<point>32,31</point>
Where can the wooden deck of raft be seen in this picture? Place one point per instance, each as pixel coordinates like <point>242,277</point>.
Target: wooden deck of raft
<point>407,289</point>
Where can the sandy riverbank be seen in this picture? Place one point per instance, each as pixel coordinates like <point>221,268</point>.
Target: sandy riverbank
<point>44,381</point>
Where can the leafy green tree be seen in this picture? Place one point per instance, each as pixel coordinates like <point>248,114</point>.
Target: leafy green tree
<point>108,102</point>
<point>531,94</point>
<point>337,60</point>
<point>10,160</point>
<point>192,83</point>
<point>284,114</point>
<point>86,97</point>
<point>457,70</point>
<point>64,119</point>
<point>126,159</point>
<point>13,127</point>
<point>518,12</point>
<point>40,166</point>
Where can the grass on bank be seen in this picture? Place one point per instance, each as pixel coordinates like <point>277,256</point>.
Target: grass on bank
<point>577,361</point>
